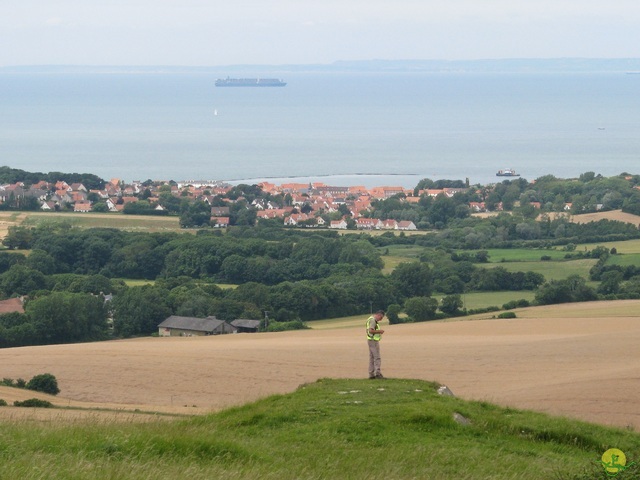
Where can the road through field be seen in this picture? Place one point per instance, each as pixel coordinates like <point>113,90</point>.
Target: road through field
<point>555,361</point>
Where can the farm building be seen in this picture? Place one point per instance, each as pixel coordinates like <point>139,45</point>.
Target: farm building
<point>12,305</point>
<point>246,326</point>
<point>176,326</point>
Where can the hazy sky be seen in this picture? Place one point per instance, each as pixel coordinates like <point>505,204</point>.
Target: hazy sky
<point>222,32</point>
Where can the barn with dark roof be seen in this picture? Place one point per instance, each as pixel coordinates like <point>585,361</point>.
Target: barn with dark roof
<point>176,326</point>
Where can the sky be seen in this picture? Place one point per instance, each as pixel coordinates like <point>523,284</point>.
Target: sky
<point>279,32</point>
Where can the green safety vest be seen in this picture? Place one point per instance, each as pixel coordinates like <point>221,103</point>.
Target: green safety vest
<point>375,336</point>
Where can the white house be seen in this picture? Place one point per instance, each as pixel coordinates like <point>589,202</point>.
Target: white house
<point>406,225</point>
<point>339,224</point>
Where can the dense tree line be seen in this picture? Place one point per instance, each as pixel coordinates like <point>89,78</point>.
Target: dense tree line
<point>226,259</point>
<point>587,193</point>
<point>14,175</point>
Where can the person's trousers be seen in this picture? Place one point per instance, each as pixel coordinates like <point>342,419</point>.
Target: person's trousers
<point>374,358</point>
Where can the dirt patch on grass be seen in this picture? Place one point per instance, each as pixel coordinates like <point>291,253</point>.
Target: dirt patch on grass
<point>7,220</point>
<point>559,362</point>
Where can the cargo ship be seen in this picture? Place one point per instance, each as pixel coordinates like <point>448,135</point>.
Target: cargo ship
<point>507,172</point>
<point>249,82</point>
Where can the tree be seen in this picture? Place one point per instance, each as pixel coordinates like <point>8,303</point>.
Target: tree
<point>139,310</point>
<point>362,252</point>
<point>64,317</point>
<point>393,312</point>
<point>442,210</point>
<point>233,269</point>
<point>41,261</point>
<point>16,331</point>
<point>572,289</point>
<point>197,214</point>
<point>420,309</point>
<point>100,207</point>
<point>610,283</point>
<point>96,253</point>
<point>7,260</point>
<point>45,383</point>
<point>412,279</point>
<point>95,284</point>
<point>451,304</point>
<point>18,238</point>
<point>21,280</point>
<point>451,284</point>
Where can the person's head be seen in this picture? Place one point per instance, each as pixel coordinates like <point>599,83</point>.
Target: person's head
<point>379,314</point>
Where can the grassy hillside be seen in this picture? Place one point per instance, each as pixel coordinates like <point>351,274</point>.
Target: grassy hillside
<point>391,429</point>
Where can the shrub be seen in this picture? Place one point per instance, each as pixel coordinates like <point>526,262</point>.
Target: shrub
<point>33,402</point>
<point>7,382</point>
<point>404,319</point>
<point>516,304</point>
<point>45,383</point>
<point>393,312</point>
<point>3,403</point>
<point>284,326</point>
<point>507,315</point>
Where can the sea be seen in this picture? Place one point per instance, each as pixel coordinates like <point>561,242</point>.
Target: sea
<point>347,128</point>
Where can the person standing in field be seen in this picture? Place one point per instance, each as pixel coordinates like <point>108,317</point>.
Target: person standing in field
<point>374,333</point>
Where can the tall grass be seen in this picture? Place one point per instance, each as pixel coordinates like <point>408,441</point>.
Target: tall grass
<point>333,429</point>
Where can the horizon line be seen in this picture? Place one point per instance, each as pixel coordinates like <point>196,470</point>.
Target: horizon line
<point>329,64</point>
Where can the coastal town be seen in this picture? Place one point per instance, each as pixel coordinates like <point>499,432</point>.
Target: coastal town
<point>295,204</point>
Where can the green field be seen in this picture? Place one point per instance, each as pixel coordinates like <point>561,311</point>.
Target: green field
<point>393,255</point>
<point>137,283</point>
<point>628,246</point>
<point>476,300</point>
<point>551,270</point>
<point>499,255</point>
<point>624,259</point>
<point>107,220</point>
<point>331,429</point>
<point>403,251</point>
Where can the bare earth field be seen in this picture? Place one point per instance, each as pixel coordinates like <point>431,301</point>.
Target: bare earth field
<point>615,215</point>
<point>580,361</point>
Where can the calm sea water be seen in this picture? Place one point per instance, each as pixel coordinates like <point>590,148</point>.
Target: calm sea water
<point>362,129</point>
